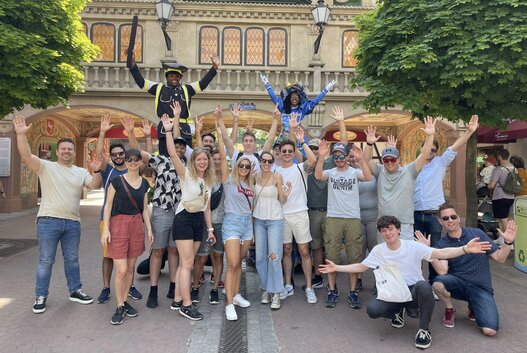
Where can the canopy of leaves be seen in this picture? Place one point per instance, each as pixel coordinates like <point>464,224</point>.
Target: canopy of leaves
<point>450,58</point>
<point>42,46</point>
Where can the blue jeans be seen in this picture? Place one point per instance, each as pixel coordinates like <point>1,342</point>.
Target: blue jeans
<point>479,299</point>
<point>50,231</point>
<point>428,224</point>
<point>269,251</point>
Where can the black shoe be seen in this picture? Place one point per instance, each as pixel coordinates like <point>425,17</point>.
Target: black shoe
<point>214,297</point>
<point>353,300</point>
<point>40,305</point>
<point>151,302</point>
<point>117,318</point>
<point>170,293</point>
<point>358,287</point>
<point>194,295</point>
<point>134,293</point>
<point>398,320</point>
<point>176,305</point>
<point>80,296</point>
<point>423,339</point>
<point>332,298</point>
<point>191,312</point>
<point>104,296</point>
<point>129,310</point>
<point>318,282</point>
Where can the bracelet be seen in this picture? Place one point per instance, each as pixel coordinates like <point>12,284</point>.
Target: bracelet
<point>465,250</point>
<point>97,171</point>
<point>369,144</point>
<point>507,243</point>
<point>210,229</point>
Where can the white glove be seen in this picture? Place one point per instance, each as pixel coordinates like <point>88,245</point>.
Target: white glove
<point>264,79</point>
<point>330,85</point>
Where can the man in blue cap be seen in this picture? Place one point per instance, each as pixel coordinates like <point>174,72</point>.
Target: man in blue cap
<point>174,91</point>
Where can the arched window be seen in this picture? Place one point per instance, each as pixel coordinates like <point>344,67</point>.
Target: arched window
<point>124,39</point>
<point>254,46</point>
<point>277,47</point>
<point>103,36</point>
<point>232,46</point>
<point>209,43</point>
<point>350,40</point>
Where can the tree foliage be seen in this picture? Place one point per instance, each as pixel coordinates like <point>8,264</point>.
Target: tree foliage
<point>449,58</point>
<point>42,47</point>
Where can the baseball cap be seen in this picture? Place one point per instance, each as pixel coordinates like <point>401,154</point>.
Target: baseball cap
<point>314,142</point>
<point>339,147</point>
<point>390,152</point>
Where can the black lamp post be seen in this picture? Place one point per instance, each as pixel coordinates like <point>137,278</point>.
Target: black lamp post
<point>321,13</point>
<point>164,10</point>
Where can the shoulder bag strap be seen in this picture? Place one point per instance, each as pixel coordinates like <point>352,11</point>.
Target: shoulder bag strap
<point>302,175</point>
<point>129,194</point>
<point>247,197</point>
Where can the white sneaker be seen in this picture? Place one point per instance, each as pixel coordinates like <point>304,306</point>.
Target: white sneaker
<point>230,313</point>
<point>288,291</point>
<point>240,301</point>
<point>275,305</point>
<point>436,298</point>
<point>310,295</point>
<point>266,297</point>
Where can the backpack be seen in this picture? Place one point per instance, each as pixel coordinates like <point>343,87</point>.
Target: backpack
<point>514,183</point>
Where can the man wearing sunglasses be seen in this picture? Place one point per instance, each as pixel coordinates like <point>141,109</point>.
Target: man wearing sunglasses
<point>429,193</point>
<point>395,183</point>
<point>468,277</point>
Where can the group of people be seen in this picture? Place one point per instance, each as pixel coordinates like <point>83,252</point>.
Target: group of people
<point>323,198</point>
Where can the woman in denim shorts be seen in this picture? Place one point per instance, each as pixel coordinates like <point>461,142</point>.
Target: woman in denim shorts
<point>237,230</point>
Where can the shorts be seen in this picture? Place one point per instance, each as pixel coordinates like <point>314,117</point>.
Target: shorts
<point>188,226</point>
<point>317,227</point>
<point>239,227</point>
<point>204,248</point>
<point>350,230</point>
<point>162,222</point>
<point>501,207</point>
<point>297,225</point>
<point>127,236</point>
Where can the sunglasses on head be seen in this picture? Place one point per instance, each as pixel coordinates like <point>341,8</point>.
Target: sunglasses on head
<point>389,160</point>
<point>452,217</point>
<point>245,166</point>
<point>265,160</point>
<point>340,156</point>
<point>287,151</point>
<point>132,159</point>
<point>117,154</point>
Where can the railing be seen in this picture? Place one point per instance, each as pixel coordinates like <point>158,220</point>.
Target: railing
<point>118,77</point>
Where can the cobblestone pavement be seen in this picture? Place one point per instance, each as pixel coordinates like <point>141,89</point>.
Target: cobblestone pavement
<point>296,327</point>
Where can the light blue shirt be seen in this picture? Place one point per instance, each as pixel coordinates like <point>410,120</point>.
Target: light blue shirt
<point>429,193</point>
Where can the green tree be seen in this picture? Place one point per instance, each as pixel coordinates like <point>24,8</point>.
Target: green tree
<point>42,47</point>
<point>449,58</point>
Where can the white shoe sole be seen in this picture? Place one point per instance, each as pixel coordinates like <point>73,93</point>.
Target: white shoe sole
<point>84,302</point>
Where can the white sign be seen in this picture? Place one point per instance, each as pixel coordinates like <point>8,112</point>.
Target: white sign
<point>5,156</point>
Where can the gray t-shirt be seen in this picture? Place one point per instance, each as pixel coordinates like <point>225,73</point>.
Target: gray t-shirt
<point>368,200</point>
<point>317,191</point>
<point>343,192</point>
<point>499,175</point>
<point>396,192</point>
<point>238,198</point>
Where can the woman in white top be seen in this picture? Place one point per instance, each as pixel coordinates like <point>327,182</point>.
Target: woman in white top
<point>237,229</point>
<point>196,181</point>
<point>270,193</point>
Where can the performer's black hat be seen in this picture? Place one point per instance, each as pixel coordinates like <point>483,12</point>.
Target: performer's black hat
<point>174,67</point>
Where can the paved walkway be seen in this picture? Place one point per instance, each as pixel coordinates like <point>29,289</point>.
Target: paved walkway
<point>297,327</point>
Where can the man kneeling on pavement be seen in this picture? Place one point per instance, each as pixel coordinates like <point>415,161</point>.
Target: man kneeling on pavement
<point>407,256</point>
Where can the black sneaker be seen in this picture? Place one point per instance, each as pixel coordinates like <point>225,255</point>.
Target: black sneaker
<point>129,310</point>
<point>151,302</point>
<point>191,312</point>
<point>353,300</point>
<point>423,339</point>
<point>80,296</point>
<point>358,287</point>
<point>117,318</point>
<point>170,293</point>
<point>40,305</point>
<point>317,283</point>
<point>176,305</point>
<point>194,295</point>
<point>398,320</point>
<point>104,296</point>
<point>134,293</point>
<point>332,299</point>
<point>214,297</point>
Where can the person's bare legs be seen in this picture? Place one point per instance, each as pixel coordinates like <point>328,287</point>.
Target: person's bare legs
<point>287,263</point>
<point>232,250</point>
<point>307,265</point>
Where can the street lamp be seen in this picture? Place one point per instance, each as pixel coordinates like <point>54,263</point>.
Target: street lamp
<point>320,14</point>
<point>164,11</point>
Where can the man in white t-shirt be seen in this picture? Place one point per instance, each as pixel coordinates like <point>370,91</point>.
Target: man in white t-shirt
<point>406,255</point>
<point>296,219</point>
<point>58,218</point>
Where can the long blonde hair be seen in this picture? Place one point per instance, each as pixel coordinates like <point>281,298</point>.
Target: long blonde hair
<point>210,174</point>
<point>235,173</point>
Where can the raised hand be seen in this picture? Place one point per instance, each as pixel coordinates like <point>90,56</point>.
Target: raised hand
<point>147,127</point>
<point>422,238</point>
<point>176,109</point>
<point>249,126</point>
<point>299,134</point>
<point>330,85</point>
<point>105,123</point>
<point>96,162</point>
<point>473,124</point>
<point>478,247</point>
<point>293,120</point>
<point>128,124</point>
<point>357,153</point>
<point>19,122</point>
<point>235,111</point>
<point>218,114</point>
<point>510,233</point>
<point>338,114</point>
<point>329,267</point>
<point>323,149</point>
<point>167,124</point>
<point>370,135</point>
<point>430,126</point>
<point>264,79</point>
<point>198,122</point>
<point>215,61</point>
<point>392,141</point>
<point>276,113</point>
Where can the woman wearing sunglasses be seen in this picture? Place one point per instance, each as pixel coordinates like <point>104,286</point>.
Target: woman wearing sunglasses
<point>125,215</point>
<point>237,229</point>
<point>270,194</point>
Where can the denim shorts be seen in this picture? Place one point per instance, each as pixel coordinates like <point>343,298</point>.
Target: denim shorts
<point>239,227</point>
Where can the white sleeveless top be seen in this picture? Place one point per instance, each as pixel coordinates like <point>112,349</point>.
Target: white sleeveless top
<point>267,207</point>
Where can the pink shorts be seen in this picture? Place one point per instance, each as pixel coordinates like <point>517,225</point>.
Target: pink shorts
<point>127,236</point>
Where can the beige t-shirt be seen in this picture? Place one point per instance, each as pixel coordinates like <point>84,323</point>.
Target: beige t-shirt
<point>61,190</point>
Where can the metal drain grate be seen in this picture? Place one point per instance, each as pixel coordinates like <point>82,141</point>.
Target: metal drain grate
<point>234,333</point>
<point>10,247</point>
